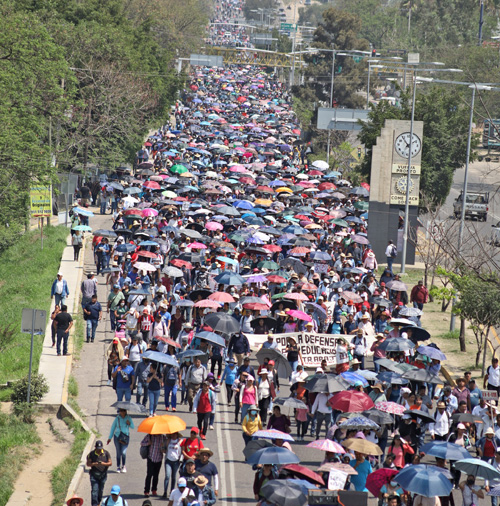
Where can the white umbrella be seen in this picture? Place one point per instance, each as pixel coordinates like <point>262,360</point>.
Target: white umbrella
<point>320,164</point>
<point>143,266</point>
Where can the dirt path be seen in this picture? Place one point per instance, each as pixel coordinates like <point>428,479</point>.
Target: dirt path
<point>34,480</point>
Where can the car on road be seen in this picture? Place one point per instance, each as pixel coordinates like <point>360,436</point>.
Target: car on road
<point>476,205</point>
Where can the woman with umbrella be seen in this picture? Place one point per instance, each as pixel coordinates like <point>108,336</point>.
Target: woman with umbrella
<point>120,433</point>
<point>266,473</point>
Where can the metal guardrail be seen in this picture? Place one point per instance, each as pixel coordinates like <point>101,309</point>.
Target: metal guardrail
<point>251,56</point>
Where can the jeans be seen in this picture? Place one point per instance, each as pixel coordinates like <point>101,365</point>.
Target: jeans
<point>104,205</point>
<point>361,358</point>
<point>203,419</point>
<point>142,390</point>
<point>302,428</point>
<point>112,319</point>
<point>91,328</point>
<point>154,397</point>
<point>60,299</point>
<point>390,261</point>
<point>322,417</point>
<point>247,438</point>
<point>293,365</point>
<point>264,407</point>
<point>123,392</point>
<point>121,452</point>
<point>97,486</point>
<point>244,409</point>
<point>171,389</point>
<point>419,305</point>
<point>62,336</point>
<point>171,468</point>
<point>152,474</point>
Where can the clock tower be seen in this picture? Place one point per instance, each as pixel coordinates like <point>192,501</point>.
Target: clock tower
<point>388,183</point>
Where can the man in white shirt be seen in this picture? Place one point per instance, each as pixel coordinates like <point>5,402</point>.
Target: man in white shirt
<point>181,492</point>
<point>321,408</point>
<point>481,410</point>
<point>492,377</point>
<point>440,429</point>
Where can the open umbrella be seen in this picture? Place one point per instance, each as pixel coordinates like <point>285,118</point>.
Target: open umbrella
<point>396,344</point>
<point>190,354</point>
<point>161,358</point>
<point>164,424</point>
<point>303,472</point>
<point>362,446</point>
<point>424,480</point>
<point>256,445</point>
<point>326,445</point>
<point>466,418</point>
<point>222,322</point>
<point>281,363</point>
<point>273,434</point>
<point>421,415</point>
<point>421,375</point>
<point>351,401</point>
<point>377,416</point>
<point>229,278</point>
<point>431,352</point>
<point>327,383</point>
<point>211,337</point>
<point>284,493</point>
<point>173,272</point>
<point>390,365</point>
<point>390,407</point>
<point>445,450</point>
<point>410,311</point>
<point>359,423</point>
<point>133,407</point>
<point>393,378</point>
<point>376,480</point>
<point>337,466</point>
<point>289,402</point>
<point>396,286</point>
<point>477,467</point>
<point>275,455</point>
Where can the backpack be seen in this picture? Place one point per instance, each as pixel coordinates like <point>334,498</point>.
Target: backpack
<point>394,251</point>
<point>124,502</point>
<point>171,376</point>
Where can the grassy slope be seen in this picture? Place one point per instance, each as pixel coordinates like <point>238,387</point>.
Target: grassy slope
<point>26,275</point>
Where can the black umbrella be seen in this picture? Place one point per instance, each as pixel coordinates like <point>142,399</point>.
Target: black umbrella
<point>192,234</point>
<point>202,293</point>
<point>284,493</point>
<point>268,321</point>
<point>105,233</point>
<point>256,445</point>
<point>295,264</point>
<point>422,376</point>
<point>417,413</point>
<point>377,416</point>
<point>416,333</point>
<point>129,406</point>
<point>281,363</point>
<point>326,383</point>
<point>396,344</point>
<point>466,418</point>
<point>222,322</point>
<point>290,402</point>
<point>287,304</point>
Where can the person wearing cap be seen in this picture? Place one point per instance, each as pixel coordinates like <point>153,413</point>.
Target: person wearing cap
<point>59,290</point>
<point>189,473</point>
<point>192,444</point>
<point>125,380</point>
<point>207,468</point>
<point>145,322</point>
<point>74,500</point>
<point>180,494</point>
<point>252,422</point>
<point>99,461</point>
<point>114,298</point>
<point>360,347</point>
<point>204,493</point>
<point>377,352</point>
<point>270,343</point>
<point>366,325</point>
<point>114,499</point>
<point>441,427</point>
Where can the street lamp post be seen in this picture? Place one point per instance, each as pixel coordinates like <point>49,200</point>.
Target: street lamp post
<point>370,66</point>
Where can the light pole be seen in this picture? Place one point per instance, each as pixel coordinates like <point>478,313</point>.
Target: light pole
<point>370,66</point>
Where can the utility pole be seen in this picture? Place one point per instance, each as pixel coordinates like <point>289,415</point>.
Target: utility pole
<point>481,22</point>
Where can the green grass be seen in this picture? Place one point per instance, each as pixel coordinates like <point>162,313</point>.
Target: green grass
<point>452,334</point>
<point>26,276</point>
<point>72,386</point>
<point>79,335</point>
<point>17,442</point>
<point>62,475</point>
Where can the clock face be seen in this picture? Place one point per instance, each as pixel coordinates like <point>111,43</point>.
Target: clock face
<point>401,184</point>
<point>402,145</point>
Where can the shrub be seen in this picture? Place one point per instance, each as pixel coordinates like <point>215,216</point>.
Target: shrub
<point>39,388</point>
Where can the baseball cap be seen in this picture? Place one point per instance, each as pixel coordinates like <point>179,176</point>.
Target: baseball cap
<point>182,482</point>
<point>116,286</point>
<point>195,429</point>
<point>190,461</point>
<point>98,444</point>
<point>115,490</point>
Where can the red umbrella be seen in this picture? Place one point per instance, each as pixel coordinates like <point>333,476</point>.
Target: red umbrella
<point>152,185</point>
<point>315,173</point>
<point>378,479</point>
<point>304,472</point>
<point>347,296</point>
<point>168,341</point>
<point>221,297</point>
<point>300,250</point>
<point>264,189</point>
<point>246,180</point>
<point>309,287</point>
<point>207,303</point>
<point>147,254</point>
<point>273,248</point>
<point>297,296</point>
<point>177,262</point>
<point>274,278</point>
<point>241,99</point>
<point>137,212</point>
<point>351,401</point>
<point>255,306</point>
<point>326,186</point>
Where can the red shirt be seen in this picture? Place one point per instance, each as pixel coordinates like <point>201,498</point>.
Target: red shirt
<point>204,405</point>
<point>145,322</point>
<point>191,446</point>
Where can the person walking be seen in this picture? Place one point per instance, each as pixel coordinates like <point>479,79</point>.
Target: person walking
<point>156,444</point>
<point>239,346</point>
<point>228,377</point>
<point>155,383</point>
<point>203,406</point>
<point>77,243</point>
<point>120,433</point>
<point>419,295</point>
<point>391,252</point>
<point>171,381</point>
<point>177,496</point>
<point>134,351</point>
<point>251,423</point>
<point>207,468</point>
<point>173,456</point>
<point>88,288</point>
<point>115,498</point>
<point>63,323</point>
<point>204,493</point>
<point>248,395</point>
<point>53,328</point>
<point>59,290</point>
<point>99,461</point>
<point>114,355</point>
<point>265,393</point>
<point>92,313</point>
<point>124,374</point>
<point>195,376</point>
<point>114,298</point>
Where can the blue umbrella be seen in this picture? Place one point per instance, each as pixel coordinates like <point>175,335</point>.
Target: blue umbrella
<point>229,278</point>
<point>431,352</point>
<point>392,377</point>
<point>243,204</point>
<point>212,337</point>
<point>126,248</point>
<point>162,358</point>
<point>445,450</point>
<point>353,378</point>
<point>228,260</point>
<point>274,455</point>
<point>189,354</point>
<point>424,480</point>
<point>359,423</point>
<point>477,467</point>
<point>83,212</point>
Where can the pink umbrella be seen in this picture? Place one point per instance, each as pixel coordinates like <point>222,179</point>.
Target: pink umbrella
<point>297,296</point>
<point>197,245</point>
<point>221,297</point>
<point>151,184</point>
<point>299,314</point>
<point>207,303</point>
<point>149,212</point>
<point>213,225</point>
<point>390,407</point>
<point>326,445</point>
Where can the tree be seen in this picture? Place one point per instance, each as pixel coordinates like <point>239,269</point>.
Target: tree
<point>478,303</point>
<point>445,114</point>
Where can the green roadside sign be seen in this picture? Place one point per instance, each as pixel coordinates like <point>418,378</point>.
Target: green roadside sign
<point>357,59</point>
<point>287,27</point>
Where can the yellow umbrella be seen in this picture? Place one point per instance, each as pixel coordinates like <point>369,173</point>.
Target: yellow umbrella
<point>362,446</point>
<point>312,225</point>
<point>164,424</point>
<point>283,189</point>
<point>263,202</point>
<point>187,174</point>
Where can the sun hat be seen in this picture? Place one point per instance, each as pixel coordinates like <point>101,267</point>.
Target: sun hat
<point>200,481</point>
<point>205,450</point>
<point>74,497</point>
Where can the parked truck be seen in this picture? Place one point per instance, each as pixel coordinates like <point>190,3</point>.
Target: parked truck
<point>476,205</point>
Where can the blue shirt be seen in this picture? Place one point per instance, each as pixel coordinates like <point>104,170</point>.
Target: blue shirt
<point>94,309</point>
<point>119,379</point>
<point>359,480</point>
<point>475,396</point>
